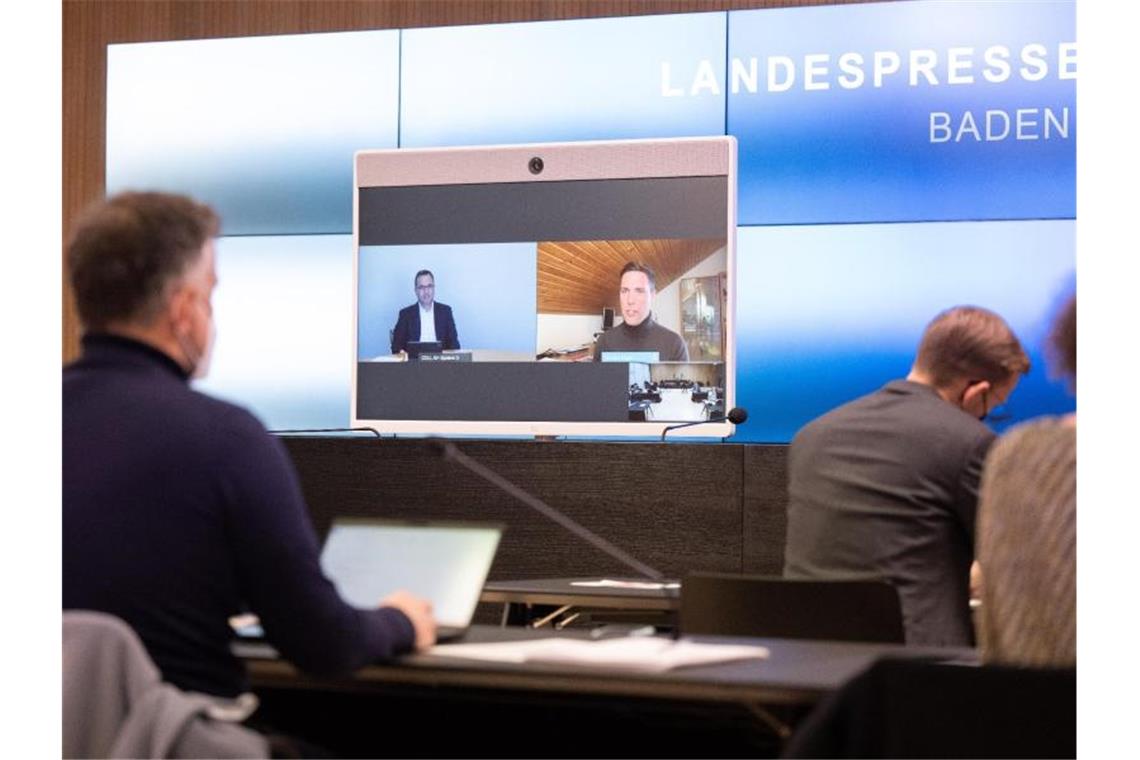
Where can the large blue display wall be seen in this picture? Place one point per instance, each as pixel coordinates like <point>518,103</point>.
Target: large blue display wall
<point>895,159</point>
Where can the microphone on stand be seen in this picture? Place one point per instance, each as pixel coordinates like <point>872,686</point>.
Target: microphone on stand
<point>736,415</point>
<point>308,431</point>
<point>451,452</point>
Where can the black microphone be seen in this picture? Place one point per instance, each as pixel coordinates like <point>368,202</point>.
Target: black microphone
<point>451,452</point>
<point>736,415</point>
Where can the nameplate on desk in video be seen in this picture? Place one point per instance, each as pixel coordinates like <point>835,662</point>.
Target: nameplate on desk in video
<point>449,356</point>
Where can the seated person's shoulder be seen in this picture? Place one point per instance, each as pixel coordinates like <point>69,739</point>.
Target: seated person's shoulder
<point>224,418</point>
<point>680,349</point>
<point>813,432</point>
<point>1046,438</point>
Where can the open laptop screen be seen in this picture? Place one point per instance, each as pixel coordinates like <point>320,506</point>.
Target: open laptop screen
<point>445,563</point>
<point>417,347</point>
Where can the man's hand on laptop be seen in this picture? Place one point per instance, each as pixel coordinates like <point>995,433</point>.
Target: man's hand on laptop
<point>419,612</point>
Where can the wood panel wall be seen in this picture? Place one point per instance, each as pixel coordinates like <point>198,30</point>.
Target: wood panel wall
<point>582,276</point>
<point>90,25</point>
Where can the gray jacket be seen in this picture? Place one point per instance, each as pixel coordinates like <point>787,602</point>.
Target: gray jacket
<point>115,703</point>
<point>886,487</point>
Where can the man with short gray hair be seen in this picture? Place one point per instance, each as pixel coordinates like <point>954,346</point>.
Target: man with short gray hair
<point>179,510</point>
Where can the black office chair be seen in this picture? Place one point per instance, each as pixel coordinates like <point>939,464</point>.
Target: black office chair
<point>756,605</point>
<point>912,708</point>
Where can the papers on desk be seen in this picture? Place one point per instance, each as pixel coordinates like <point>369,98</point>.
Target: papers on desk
<point>640,585</point>
<point>640,653</point>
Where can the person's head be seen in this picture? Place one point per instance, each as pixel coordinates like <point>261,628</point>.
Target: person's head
<point>1063,341</point>
<point>636,290</point>
<point>142,265</point>
<point>425,288</point>
<point>972,358</point>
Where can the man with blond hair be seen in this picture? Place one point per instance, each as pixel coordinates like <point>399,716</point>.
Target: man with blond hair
<point>886,487</point>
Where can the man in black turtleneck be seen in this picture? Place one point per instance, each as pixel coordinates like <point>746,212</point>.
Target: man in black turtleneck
<point>639,331</point>
<point>179,510</point>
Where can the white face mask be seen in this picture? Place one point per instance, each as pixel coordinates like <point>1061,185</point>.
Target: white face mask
<point>202,366</point>
<point>199,360</point>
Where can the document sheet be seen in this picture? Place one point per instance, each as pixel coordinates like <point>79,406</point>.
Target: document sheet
<point>643,653</point>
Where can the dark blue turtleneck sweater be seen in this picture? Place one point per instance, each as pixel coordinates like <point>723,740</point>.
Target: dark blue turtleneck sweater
<point>179,510</point>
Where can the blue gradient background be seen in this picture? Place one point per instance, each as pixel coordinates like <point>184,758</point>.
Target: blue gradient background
<point>264,129</point>
<point>828,313</point>
<point>864,155</point>
<point>587,79</point>
<point>491,289</point>
<point>283,308</point>
<point>261,128</point>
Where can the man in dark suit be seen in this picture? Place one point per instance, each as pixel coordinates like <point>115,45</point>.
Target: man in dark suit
<point>425,320</point>
<point>886,486</point>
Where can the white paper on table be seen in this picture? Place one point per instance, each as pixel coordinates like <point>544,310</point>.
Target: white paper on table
<point>502,651</point>
<point>643,653</point>
<point>640,585</point>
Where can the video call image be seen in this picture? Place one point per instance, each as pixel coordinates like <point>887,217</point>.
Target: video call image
<point>434,312</point>
<point>446,302</point>
<point>589,308</point>
<point>679,392</point>
<point>527,301</point>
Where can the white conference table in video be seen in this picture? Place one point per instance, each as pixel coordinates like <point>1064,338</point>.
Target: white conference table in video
<point>677,405</point>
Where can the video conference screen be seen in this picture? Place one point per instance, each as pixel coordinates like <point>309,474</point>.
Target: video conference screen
<point>506,302</point>
<point>895,159</point>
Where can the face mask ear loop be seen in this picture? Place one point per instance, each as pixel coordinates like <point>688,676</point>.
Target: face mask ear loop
<point>189,354</point>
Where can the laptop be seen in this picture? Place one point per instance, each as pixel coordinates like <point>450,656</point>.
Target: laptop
<point>444,562</point>
<point>417,347</point>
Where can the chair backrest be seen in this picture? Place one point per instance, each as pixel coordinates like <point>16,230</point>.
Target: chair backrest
<point>912,708</point>
<point>756,605</point>
<point>115,703</point>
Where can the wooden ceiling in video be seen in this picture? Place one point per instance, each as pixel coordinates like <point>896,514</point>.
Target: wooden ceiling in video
<point>581,277</point>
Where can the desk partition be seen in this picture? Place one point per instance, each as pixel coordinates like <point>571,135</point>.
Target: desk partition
<point>677,507</point>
